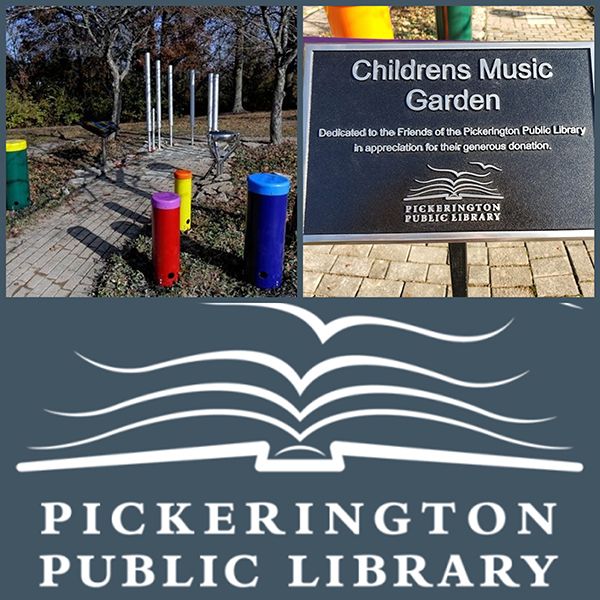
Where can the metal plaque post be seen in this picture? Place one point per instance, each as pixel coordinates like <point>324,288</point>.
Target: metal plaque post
<point>458,268</point>
<point>454,23</point>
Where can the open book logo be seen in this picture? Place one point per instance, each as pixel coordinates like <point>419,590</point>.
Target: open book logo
<point>307,418</point>
<point>448,184</point>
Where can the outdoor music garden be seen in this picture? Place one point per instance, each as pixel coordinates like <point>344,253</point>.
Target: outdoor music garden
<point>210,234</point>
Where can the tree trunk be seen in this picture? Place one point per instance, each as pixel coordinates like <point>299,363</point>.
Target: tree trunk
<point>116,110</point>
<point>276,128</point>
<point>238,102</point>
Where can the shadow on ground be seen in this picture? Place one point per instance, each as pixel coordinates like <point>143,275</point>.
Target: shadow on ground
<point>94,242</point>
<point>128,213</point>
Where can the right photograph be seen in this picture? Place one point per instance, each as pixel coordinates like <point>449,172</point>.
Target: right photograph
<point>448,151</point>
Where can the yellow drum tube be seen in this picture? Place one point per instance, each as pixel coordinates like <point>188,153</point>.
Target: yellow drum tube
<point>361,22</point>
<point>183,188</point>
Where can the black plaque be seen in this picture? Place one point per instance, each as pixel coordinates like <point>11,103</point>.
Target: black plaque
<point>448,141</point>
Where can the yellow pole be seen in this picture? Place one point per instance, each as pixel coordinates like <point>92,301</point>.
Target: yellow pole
<point>183,188</point>
<point>361,22</point>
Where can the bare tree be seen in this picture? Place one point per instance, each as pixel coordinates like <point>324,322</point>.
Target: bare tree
<point>113,32</point>
<point>280,25</point>
<point>238,69</point>
<point>117,32</point>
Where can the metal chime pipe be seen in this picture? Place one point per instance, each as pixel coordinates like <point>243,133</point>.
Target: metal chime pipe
<point>170,87</point>
<point>215,119</point>
<point>148,102</point>
<point>210,102</point>
<point>153,129</point>
<point>158,107</point>
<point>192,102</point>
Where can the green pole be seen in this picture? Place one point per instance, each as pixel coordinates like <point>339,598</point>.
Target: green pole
<point>17,175</point>
<point>453,22</point>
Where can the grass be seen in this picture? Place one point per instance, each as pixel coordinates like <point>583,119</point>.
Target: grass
<point>212,251</point>
<point>252,125</point>
<point>56,152</point>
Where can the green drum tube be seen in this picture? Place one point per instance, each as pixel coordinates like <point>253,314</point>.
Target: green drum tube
<point>17,175</point>
<point>453,22</point>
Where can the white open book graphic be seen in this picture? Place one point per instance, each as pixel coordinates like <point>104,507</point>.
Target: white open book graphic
<point>457,185</point>
<point>301,423</point>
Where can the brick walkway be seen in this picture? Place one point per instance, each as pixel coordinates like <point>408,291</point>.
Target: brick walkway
<point>315,23</point>
<point>500,269</point>
<point>63,251</point>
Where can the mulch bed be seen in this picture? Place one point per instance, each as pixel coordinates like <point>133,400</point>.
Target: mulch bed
<point>414,22</point>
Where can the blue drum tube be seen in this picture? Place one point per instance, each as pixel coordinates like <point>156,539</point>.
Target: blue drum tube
<point>265,229</point>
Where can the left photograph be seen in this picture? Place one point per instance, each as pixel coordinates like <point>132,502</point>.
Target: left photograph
<point>151,151</point>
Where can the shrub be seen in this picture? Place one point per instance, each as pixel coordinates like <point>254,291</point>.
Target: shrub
<point>60,108</point>
<point>22,111</point>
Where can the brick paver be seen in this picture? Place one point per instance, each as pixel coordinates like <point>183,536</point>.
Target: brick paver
<point>61,253</point>
<point>315,23</point>
<point>500,269</point>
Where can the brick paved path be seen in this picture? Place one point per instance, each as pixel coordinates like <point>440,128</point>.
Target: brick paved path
<point>63,251</point>
<point>315,22</point>
<point>501,269</point>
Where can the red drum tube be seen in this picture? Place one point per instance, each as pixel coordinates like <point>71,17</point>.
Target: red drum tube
<point>165,237</point>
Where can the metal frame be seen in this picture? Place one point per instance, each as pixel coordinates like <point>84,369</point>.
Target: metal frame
<point>476,236</point>
<point>221,154</point>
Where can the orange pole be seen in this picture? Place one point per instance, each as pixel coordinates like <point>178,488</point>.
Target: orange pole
<point>361,22</point>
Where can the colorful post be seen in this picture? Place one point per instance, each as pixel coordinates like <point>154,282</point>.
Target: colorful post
<point>183,188</point>
<point>165,237</point>
<point>453,22</point>
<point>17,175</point>
<point>265,229</point>
<point>361,22</point>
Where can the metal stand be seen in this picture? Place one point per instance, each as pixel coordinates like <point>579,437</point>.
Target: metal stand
<point>229,141</point>
<point>222,144</point>
<point>103,165</point>
<point>458,269</point>
<point>102,129</point>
